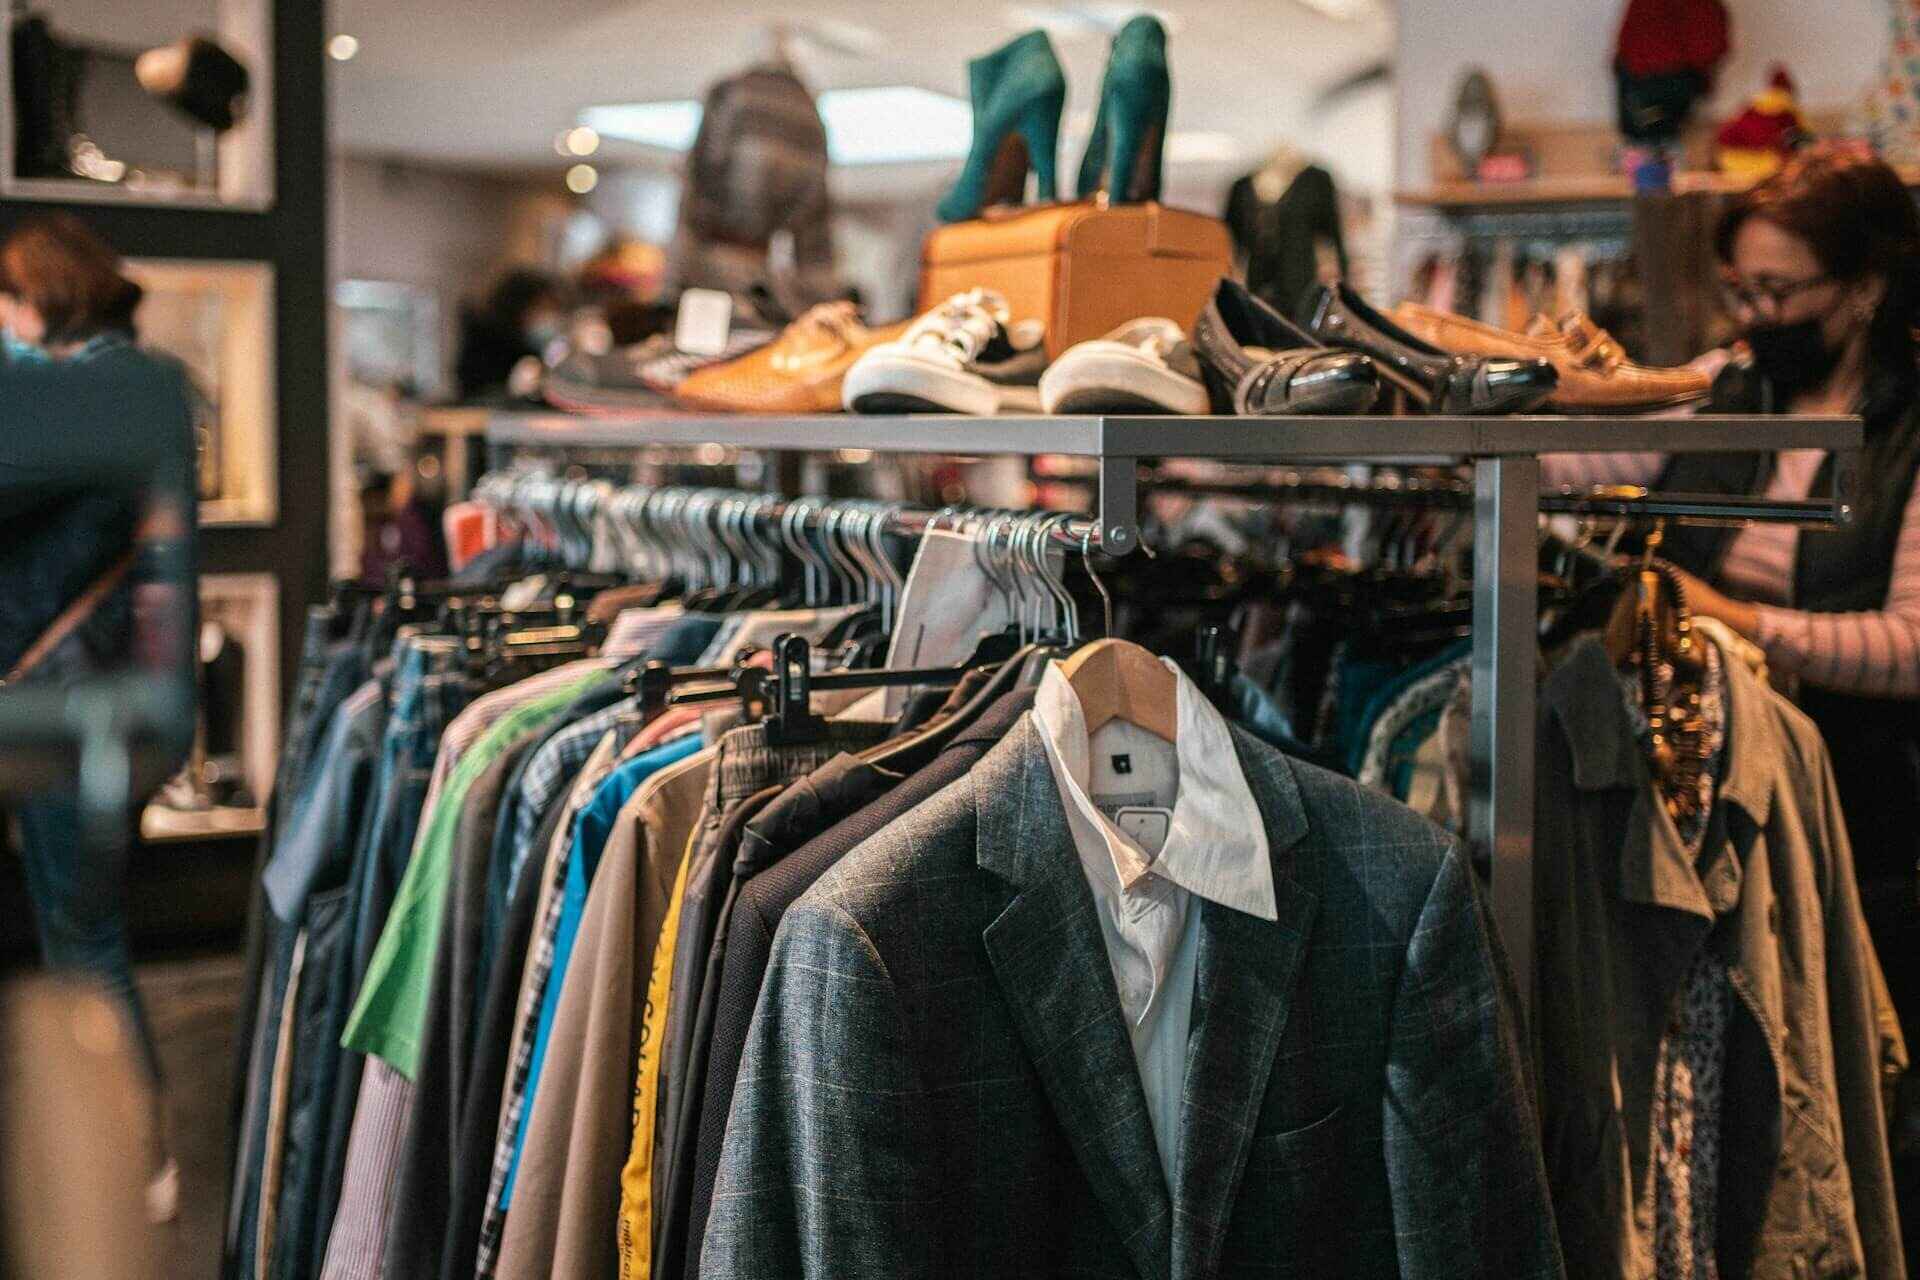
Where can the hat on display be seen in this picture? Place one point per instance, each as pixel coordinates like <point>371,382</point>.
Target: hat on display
<point>1664,61</point>
<point>199,78</point>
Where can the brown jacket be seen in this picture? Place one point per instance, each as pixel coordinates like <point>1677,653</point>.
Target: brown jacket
<point>567,1193</point>
<point>1806,1188</point>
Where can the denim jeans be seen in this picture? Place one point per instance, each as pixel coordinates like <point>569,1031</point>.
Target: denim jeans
<point>79,898</point>
<point>430,686</point>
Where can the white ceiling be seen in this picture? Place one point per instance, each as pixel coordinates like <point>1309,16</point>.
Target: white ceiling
<point>490,82</point>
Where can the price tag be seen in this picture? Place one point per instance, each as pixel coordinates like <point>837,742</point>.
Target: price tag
<point>1145,826</point>
<point>701,327</point>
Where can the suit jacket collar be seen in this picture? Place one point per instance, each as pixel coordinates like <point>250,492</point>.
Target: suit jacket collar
<point>997,718</point>
<point>1047,950</point>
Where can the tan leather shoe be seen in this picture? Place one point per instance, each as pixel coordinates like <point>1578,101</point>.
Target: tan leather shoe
<point>798,372</point>
<point>1595,374</point>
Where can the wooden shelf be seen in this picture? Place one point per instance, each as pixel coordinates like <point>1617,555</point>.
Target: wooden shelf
<point>161,825</point>
<point>1599,188</point>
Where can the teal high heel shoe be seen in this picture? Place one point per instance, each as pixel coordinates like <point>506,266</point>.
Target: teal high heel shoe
<point>1123,153</point>
<point>1017,91</point>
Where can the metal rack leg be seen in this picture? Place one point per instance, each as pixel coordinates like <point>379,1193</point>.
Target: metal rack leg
<point>1119,513</point>
<point>1506,603</point>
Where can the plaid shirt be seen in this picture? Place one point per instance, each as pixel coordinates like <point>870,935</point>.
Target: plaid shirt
<point>553,766</point>
<point>604,756</point>
<point>632,633</point>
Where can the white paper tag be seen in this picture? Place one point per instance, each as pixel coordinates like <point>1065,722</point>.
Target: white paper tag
<point>948,604</point>
<point>523,594</point>
<point>704,318</point>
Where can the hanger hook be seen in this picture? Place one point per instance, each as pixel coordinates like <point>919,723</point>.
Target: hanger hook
<point>987,553</point>
<point>1106,598</point>
<point>1045,597</point>
<point>1061,523</point>
<point>1046,605</point>
<point>792,523</point>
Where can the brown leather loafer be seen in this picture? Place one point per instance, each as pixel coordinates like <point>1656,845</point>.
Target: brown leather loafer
<point>1595,374</point>
<point>798,372</point>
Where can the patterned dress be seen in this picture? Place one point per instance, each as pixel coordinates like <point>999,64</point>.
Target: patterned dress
<point>1689,1080</point>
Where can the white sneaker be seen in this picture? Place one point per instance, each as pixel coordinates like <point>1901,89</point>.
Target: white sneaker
<point>163,1194</point>
<point>964,356</point>
<point>1144,366</point>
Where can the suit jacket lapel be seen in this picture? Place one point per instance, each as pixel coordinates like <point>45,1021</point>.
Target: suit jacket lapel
<point>1248,968</point>
<point>1051,960</point>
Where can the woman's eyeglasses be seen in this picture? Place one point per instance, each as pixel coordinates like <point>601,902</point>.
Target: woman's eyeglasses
<point>1765,295</point>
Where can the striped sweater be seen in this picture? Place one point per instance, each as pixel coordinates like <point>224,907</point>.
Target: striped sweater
<point>1874,653</point>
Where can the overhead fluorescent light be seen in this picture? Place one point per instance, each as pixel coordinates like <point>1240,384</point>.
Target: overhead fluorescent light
<point>1100,18</point>
<point>1343,10</point>
<point>1194,146</point>
<point>667,125</point>
<point>888,124</point>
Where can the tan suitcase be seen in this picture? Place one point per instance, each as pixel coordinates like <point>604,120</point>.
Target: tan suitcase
<point>1082,268</point>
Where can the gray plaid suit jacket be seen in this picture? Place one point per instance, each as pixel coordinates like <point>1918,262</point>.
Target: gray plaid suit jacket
<point>938,1081</point>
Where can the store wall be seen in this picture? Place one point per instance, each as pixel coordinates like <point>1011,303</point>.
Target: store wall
<point>448,232</point>
<point>444,230</point>
<point>1549,59</point>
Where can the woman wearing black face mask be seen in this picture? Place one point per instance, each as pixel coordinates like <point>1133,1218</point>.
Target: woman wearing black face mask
<point>1821,267</point>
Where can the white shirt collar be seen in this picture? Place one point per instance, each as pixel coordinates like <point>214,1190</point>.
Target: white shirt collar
<point>635,629</point>
<point>1216,844</point>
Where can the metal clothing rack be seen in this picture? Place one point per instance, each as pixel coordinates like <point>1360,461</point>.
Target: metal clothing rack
<point>1504,454</point>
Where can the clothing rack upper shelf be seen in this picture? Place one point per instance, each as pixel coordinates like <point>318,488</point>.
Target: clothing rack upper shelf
<point>1225,439</point>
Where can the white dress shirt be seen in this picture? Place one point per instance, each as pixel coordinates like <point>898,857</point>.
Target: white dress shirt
<point>1155,824</point>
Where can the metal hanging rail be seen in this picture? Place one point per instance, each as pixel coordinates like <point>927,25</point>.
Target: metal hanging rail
<point>1506,501</point>
<point>1622,501</point>
<point>535,492</point>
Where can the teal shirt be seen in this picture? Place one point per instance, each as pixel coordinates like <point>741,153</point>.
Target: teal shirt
<point>391,1011</point>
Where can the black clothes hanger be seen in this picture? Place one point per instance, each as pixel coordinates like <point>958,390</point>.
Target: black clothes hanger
<point>784,694</point>
<point>1213,663</point>
<point>1008,661</point>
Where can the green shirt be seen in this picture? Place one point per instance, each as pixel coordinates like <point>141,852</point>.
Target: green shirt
<point>391,1011</point>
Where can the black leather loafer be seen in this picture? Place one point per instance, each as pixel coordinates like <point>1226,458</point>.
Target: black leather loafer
<point>1258,363</point>
<point>1439,380</point>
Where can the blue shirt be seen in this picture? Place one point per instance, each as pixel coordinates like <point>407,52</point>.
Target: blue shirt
<point>592,827</point>
<point>89,441</point>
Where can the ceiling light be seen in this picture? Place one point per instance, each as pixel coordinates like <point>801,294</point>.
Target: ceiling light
<point>1343,10</point>
<point>1078,21</point>
<point>582,140</point>
<point>888,124</point>
<point>667,125</point>
<point>582,178</point>
<point>1193,146</point>
<point>342,48</point>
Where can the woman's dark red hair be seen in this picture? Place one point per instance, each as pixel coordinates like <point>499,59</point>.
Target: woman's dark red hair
<point>1859,219</point>
<point>71,276</point>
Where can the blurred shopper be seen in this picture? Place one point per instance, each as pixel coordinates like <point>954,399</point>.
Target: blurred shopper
<point>85,556</point>
<point>522,316</point>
